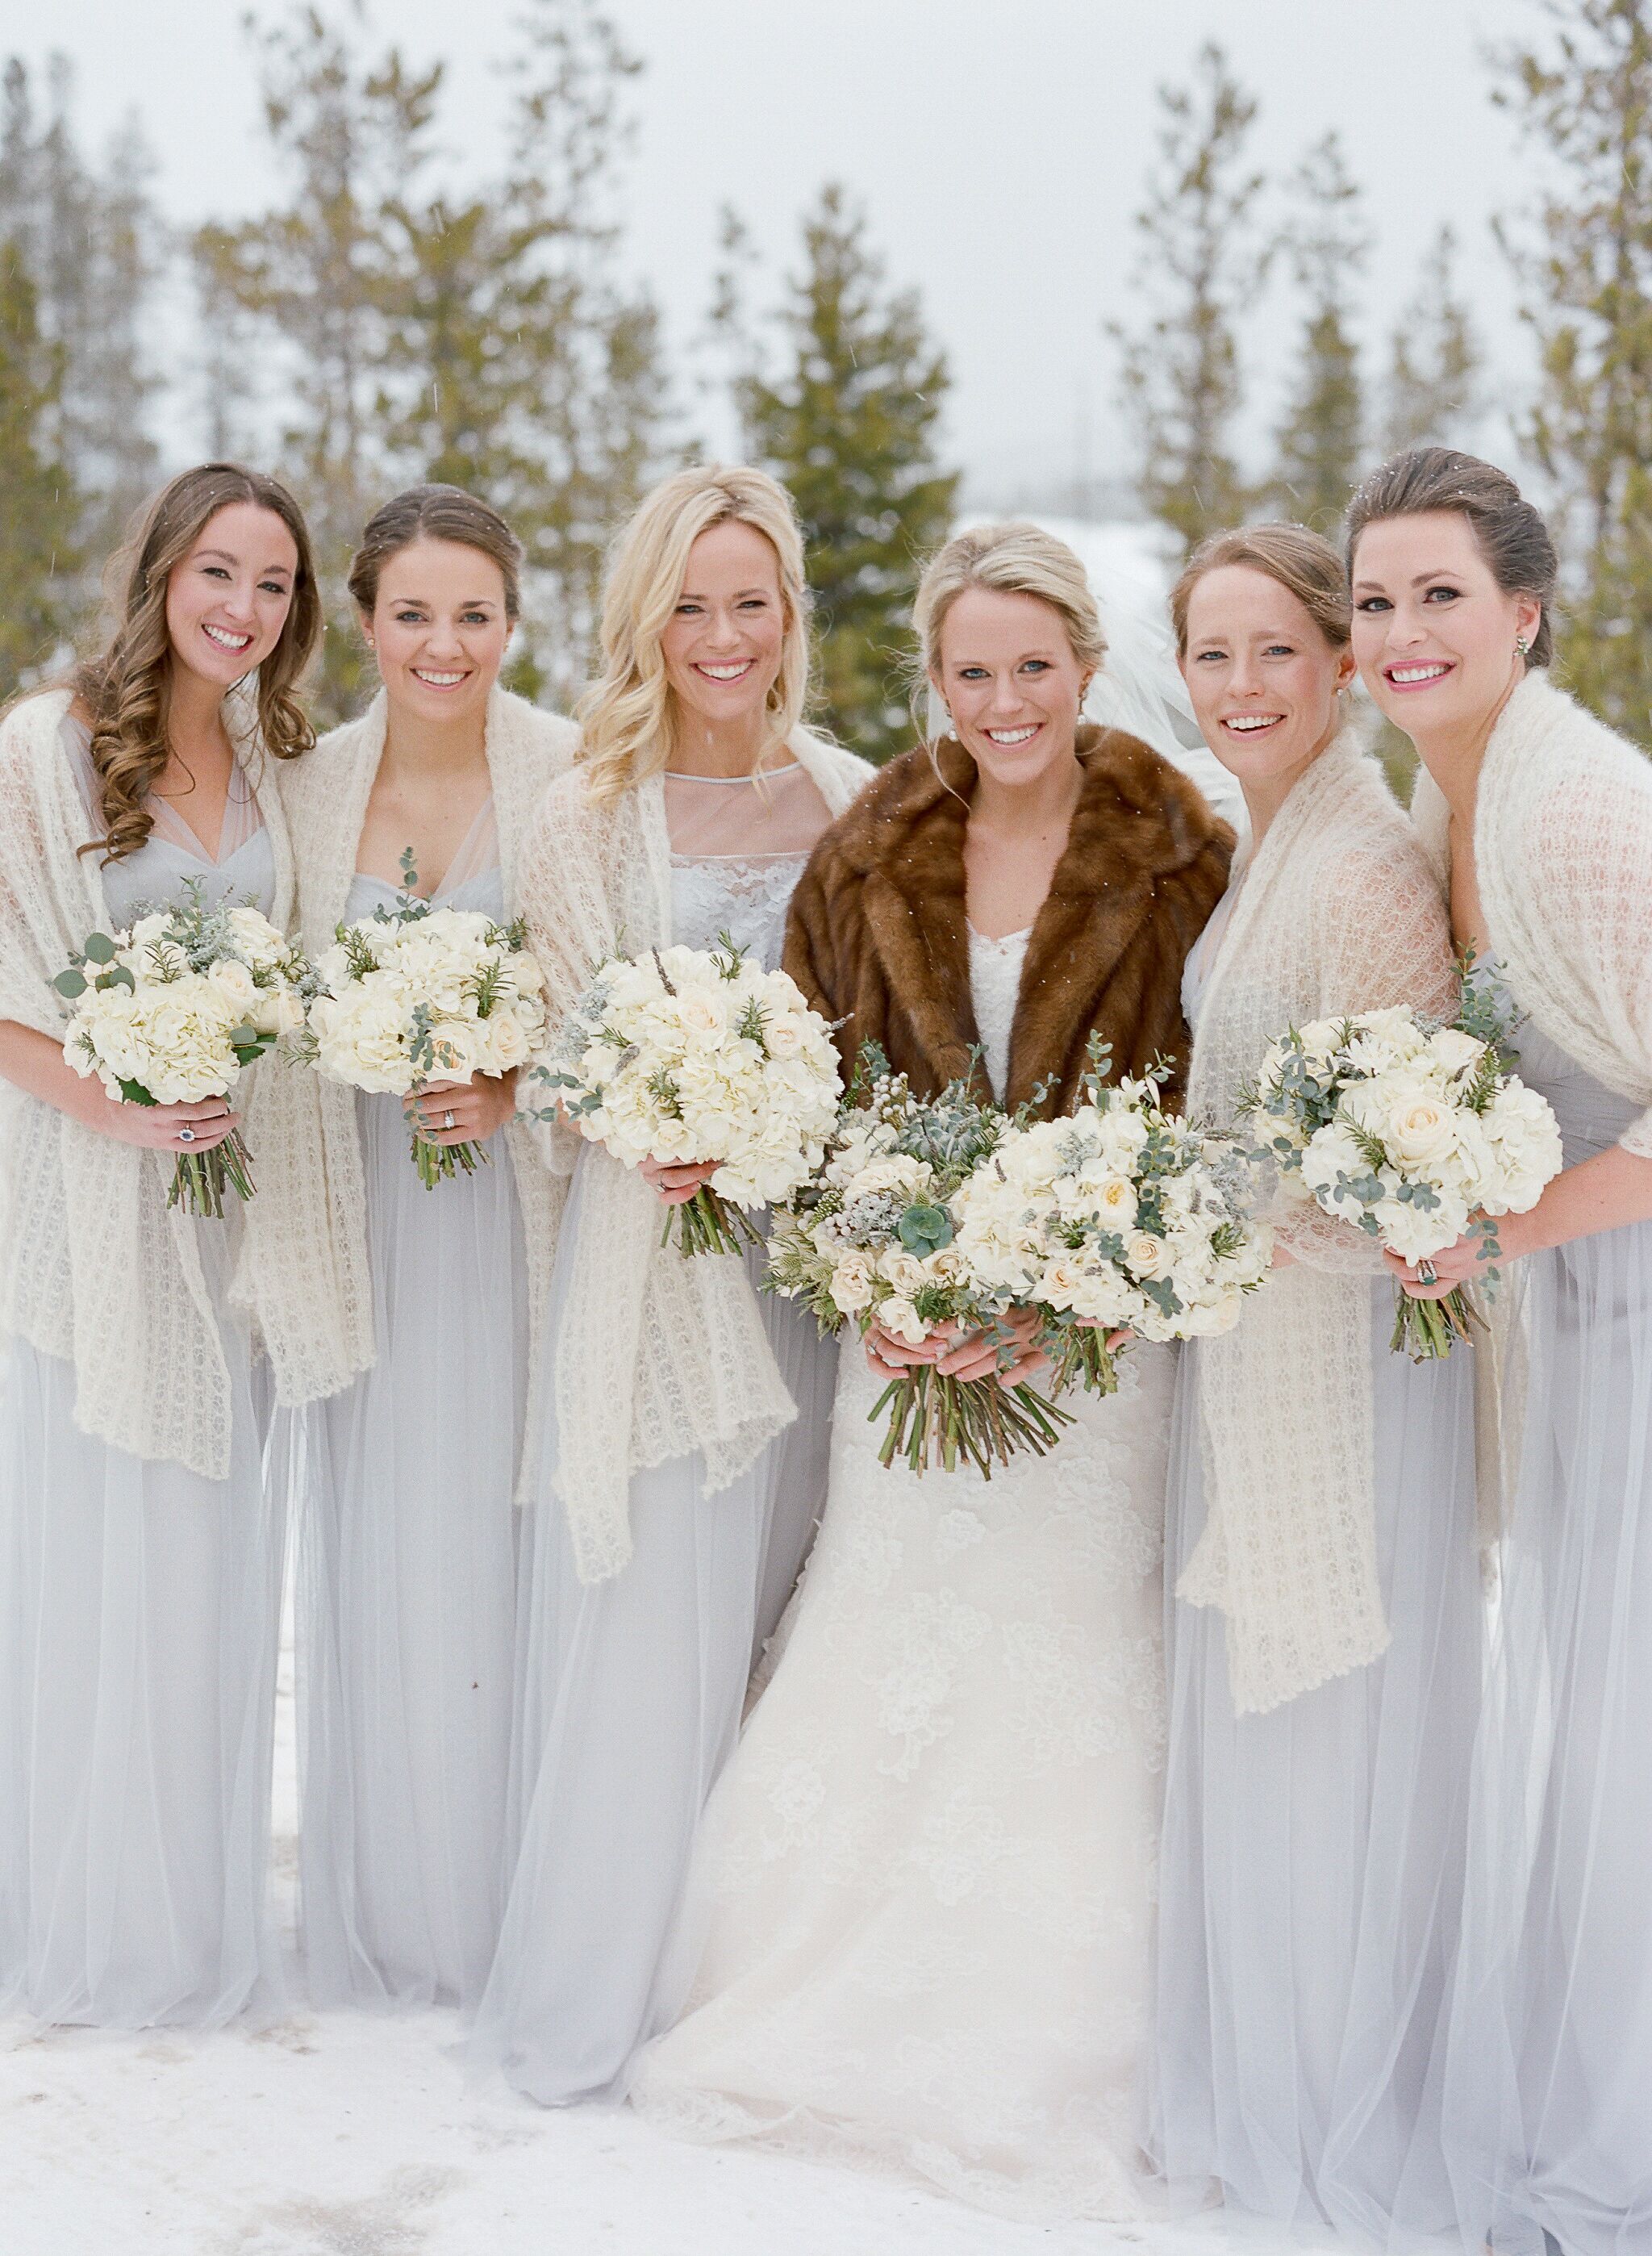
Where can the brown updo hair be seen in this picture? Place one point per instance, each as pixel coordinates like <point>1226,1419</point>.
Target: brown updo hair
<point>435,513</point>
<point>126,689</point>
<point>1509,533</point>
<point>1303,562</point>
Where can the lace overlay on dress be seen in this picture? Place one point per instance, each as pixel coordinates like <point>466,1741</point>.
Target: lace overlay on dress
<point>995,980</point>
<point>923,1902</point>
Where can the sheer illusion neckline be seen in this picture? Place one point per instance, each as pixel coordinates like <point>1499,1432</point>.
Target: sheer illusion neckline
<point>768,819</point>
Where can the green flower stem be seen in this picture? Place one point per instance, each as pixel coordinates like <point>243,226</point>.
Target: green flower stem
<point>1081,1352</point>
<point>934,1418</point>
<point>708,1224</point>
<point>436,1161</point>
<point>1427,1330</point>
<point>201,1178</point>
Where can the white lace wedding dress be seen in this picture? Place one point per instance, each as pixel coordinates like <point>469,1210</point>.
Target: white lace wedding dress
<point>919,1921</point>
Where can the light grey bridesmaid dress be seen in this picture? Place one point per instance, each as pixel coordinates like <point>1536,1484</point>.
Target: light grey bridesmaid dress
<point>139,1615</point>
<point>1548,2099</point>
<point>1313,1856</point>
<point>408,1567</point>
<point>631,1690</point>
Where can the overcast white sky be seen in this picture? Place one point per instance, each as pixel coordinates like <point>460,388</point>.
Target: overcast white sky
<point>1000,146</point>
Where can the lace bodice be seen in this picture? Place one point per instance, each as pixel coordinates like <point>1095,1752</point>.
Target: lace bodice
<point>994,986</point>
<point>746,898</point>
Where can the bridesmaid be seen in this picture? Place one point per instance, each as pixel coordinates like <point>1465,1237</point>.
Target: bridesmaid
<point>140,1560</point>
<point>684,1427</point>
<point>1325,1660</point>
<point>1542,818</point>
<point>408,1563</point>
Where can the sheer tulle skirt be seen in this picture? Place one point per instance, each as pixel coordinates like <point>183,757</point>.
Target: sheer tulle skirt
<point>407,1596</point>
<point>918,1929</point>
<point>1313,1856</point>
<point>139,1617</point>
<point>630,1702</point>
<point>1549,2106</point>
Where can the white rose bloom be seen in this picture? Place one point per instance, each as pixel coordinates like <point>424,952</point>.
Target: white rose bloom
<point>1147,1256</point>
<point>852,1281</point>
<point>507,1041</point>
<point>901,1320</point>
<point>233,982</point>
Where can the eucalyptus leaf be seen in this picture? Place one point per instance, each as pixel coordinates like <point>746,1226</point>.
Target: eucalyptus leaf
<point>70,982</point>
<point>100,949</point>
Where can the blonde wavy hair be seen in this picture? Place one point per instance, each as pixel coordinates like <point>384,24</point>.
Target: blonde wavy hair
<point>126,686</point>
<point>1301,561</point>
<point>1016,558</point>
<point>628,718</point>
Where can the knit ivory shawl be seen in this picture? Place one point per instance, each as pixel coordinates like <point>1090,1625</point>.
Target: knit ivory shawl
<point>1562,855</point>
<point>655,1356</point>
<point>95,1268</point>
<point>1339,912</point>
<point>326,797</point>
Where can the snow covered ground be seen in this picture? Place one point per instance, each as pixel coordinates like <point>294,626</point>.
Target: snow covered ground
<point>343,2134</point>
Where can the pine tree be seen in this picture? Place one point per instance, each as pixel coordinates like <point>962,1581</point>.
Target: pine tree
<point>1320,439</point>
<point>1201,265</point>
<point>514,363</point>
<point>848,423</point>
<point>473,337</point>
<point>312,278</point>
<point>37,521</point>
<point>91,246</point>
<point>1432,394</point>
<point>1587,275</point>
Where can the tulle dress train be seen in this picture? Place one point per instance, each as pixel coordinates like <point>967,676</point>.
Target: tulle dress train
<point>408,1564</point>
<point>140,1616</point>
<point>631,1690</point>
<point>1548,2100</point>
<point>1312,1863</point>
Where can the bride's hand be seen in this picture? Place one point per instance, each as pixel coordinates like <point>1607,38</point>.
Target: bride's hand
<point>973,1355</point>
<point>676,1183</point>
<point>888,1358</point>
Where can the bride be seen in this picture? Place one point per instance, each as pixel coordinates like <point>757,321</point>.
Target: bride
<point>918,1930</point>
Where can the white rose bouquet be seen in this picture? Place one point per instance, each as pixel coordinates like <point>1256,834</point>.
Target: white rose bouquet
<point>415,993</point>
<point>174,1010</point>
<point>1118,1214</point>
<point>874,1238</point>
<point>1415,1132</point>
<point>686,1055</point>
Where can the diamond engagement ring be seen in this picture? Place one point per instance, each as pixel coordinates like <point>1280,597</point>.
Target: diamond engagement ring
<point>448,1120</point>
<point>185,1135</point>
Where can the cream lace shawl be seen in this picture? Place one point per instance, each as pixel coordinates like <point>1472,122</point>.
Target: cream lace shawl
<point>655,1356</point>
<point>326,797</point>
<point>1338,911</point>
<point>95,1268</point>
<point>1562,854</point>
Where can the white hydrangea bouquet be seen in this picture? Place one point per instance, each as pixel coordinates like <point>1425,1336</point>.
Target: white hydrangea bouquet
<point>174,1010</point>
<point>873,1239</point>
<point>685,1055</point>
<point>415,993</point>
<point>1118,1214</point>
<point>1415,1132</point>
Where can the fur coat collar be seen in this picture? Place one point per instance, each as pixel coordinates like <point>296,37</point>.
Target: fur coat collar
<point>881,927</point>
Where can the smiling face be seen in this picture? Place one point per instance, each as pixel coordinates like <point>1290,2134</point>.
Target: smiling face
<point>439,629</point>
<point>228,600</point>
<point>1433,633</point>
<point>723,643</point>
<point>1014,685</point>
<point>1262,677</point>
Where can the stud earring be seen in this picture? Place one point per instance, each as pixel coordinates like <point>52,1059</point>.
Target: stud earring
<point>1523,648</point>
